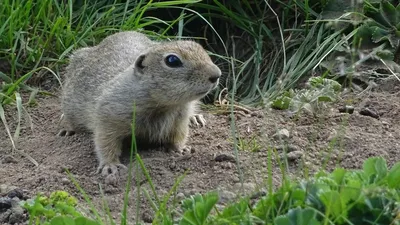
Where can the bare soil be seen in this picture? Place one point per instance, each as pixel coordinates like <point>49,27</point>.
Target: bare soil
<point>211,165</point>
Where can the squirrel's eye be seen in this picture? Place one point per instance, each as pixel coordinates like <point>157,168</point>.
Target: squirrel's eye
<point>173,61</point>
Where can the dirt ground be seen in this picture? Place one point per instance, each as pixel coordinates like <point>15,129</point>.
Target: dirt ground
<point>211,166</point>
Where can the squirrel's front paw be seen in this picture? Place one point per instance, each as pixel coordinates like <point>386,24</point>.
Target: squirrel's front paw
<point>197,120</point>
<point>112,172</point>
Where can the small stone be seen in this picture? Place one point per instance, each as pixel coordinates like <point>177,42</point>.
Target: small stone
<point>288,148</point>
<point>282,134</point>
<point>172,165</point>
<point>224,157</point>
<point>292,156</point>
<point>258,194</point>
<point>9,159</point>
<point>227,165</point>
<point>15,193</point>
<point>3,189</point>
<point>147,217</point>
<point>346,109</point>
<point>4,216</point>
<point>226,196</point>
<point>236,179</point>
<point>180,196</point>
<point>5,203</point>
<point>65,181</point>
<point>369,112</point>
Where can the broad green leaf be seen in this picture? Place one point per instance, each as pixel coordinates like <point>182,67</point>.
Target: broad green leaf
<point>298,216</point>
<point>198,207</point>
<point>375,168</point>
<point>62,220</point>
<point>380,34</point>
<point>85,221</point>
<point>281,103</point>
<point>338,175</point>
<point>389,12</point>
<point>334,204</point>
<point>394,176</point>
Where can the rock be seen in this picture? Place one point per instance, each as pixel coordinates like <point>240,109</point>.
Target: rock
<point>226,196</point>
<point>236,179</point>
<point>65,181</point>
<point>17,212</point>
<point>292,156</point>
<point>258,194</point>
<point>369,112</point>
<point>5,203</point>
<point>9,159</point>
<point>180,196</point>
<point>282,134</point>
<point>227,166</point>
<point>288,148</point>
<point>224,157</point>
<point>346,109</point>
<point>3,189</point>
<point>147,217</point>
<point>15,193</point>
<point>4,216</point>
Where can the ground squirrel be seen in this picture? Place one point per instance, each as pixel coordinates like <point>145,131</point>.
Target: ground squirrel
<point>163,79</point>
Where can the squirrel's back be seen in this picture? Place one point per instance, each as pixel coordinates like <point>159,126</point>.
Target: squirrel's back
<point>88,71</point>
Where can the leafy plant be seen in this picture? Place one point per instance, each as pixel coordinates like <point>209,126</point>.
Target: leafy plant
<point>382,24</point>
<point>320,91</point>
<point>366,196</point>
<point>58,208</point>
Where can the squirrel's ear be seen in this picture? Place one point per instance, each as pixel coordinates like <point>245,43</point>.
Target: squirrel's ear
<point>139,63</point>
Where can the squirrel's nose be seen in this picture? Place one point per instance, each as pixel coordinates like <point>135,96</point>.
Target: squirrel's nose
<point>216,74</point>
<point>213,79</point>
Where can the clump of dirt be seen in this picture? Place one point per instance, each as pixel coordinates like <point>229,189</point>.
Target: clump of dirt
<point>306,141</point>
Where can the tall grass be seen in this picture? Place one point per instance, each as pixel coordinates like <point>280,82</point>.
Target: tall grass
<point>36,38</point>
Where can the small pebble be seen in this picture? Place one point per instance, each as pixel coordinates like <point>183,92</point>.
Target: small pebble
<point>369,112</point>
<point>180,196</point>
<point>282,134</point>
<point>292,156</point>
<point>65,181</point>
<point>9,159</point>
<point>15,193</point>
<point>225,157</point>
<point>5,203</point>
<point>226,196</point>
<point>347,109</point>
<point>288,148</point>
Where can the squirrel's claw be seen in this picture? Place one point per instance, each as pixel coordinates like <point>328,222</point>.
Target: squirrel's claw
<point>197,119</point>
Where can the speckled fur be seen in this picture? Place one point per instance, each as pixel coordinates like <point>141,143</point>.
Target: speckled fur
<point>105,81</point>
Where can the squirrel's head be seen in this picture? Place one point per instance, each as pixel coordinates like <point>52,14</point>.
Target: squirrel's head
<point>179,71</point>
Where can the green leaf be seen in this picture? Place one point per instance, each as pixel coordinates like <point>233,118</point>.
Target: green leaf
<point>325,99</point>
<point>198,207</point>
<point>334,204</point>
<point>281,103</point>
<point>62,220</point>
<point>375,168</point>
<point>298,216</point>
<point>85,221</point>
<point>379,34</point>
<point>389,13</point>
<point>394,176</point>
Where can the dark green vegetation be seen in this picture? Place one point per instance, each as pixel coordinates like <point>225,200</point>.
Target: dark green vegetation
<point>367,196</point>
<point>264,48</point>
